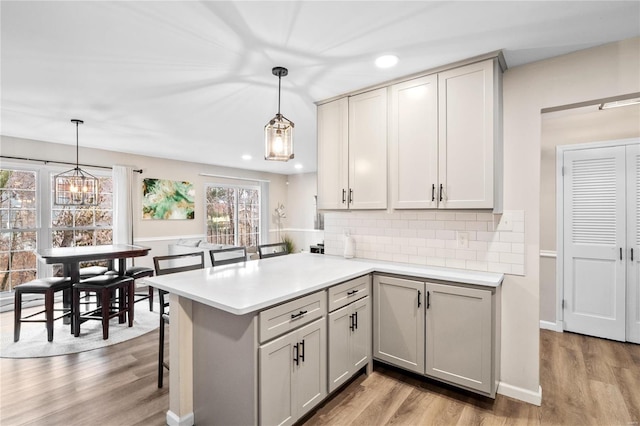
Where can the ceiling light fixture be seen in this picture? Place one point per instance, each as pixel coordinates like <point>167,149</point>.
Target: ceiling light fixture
<point>278,133</point>
<point>246,157</point>
<point>298,166</point>
<point>75,187</point>
<point>386,61</point>
<point>616,104</point>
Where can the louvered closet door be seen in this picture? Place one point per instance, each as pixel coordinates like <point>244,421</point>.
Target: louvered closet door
<point>633,238</point>
<point>594,224</point>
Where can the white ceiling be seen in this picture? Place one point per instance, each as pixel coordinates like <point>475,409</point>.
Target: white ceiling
<point>192,80</point>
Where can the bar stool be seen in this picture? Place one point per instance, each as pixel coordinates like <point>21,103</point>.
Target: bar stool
<point>105,286</point>
<point>48,287</point>
<point>137,272</point>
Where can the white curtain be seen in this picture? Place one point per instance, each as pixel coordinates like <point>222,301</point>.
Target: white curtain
<point>122,205</point>
<point>264,213</point>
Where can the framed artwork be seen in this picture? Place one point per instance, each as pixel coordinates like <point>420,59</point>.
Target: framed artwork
<point>167,199</point>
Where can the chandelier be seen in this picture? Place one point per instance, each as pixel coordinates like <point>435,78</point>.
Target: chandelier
<point>75,187</point>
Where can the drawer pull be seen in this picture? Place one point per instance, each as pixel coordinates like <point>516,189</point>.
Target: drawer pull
<point>352,292</point>
<point>298,315</point>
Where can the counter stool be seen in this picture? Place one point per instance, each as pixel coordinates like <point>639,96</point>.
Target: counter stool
<point>105,286</point>
<point>48,287</point>
<point>169,265</point>
<point>137,272</point>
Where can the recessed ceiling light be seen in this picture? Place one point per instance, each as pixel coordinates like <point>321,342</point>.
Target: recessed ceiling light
<point>298,166</point>
<point>386,61</point>
<point>246,157</point>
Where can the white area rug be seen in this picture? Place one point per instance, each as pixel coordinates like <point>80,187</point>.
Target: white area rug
<point>33,336</point>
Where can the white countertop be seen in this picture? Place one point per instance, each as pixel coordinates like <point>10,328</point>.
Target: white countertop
<point>251,286</point>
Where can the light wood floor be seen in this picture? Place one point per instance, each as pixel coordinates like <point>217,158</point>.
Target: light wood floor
<point>585,381</point>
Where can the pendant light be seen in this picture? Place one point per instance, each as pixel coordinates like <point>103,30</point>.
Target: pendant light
<point>278,133</point>
<point>75,187</point>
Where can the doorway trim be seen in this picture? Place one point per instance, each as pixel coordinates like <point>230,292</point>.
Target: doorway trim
<point>560,151</point>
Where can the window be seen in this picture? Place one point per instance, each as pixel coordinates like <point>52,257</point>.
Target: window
<point>29,220</point>
<point>18,231</point>
<point>233,215</point>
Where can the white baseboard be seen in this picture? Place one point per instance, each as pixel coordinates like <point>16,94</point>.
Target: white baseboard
<point>174,420</point>
<point>525,395</point>
<point>553,326</point>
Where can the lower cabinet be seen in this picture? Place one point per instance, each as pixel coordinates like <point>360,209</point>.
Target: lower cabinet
<point>293,377</point>
<point>398,329</point>
<point>459,337</point>
<point>444,331</point>
<point>349,341</point>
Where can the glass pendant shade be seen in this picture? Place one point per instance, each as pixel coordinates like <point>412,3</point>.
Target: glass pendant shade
<point>278,133</point>
<point>75,187</point>
<point>278,139</point>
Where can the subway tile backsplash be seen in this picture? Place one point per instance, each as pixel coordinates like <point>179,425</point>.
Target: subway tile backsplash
<point>464,240</point>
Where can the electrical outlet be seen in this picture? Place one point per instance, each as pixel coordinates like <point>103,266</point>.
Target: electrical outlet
<point>463,239</point>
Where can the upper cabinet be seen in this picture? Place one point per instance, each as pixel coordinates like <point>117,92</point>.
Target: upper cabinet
<point>368,150</point>
<point>352,152</point>
<point>413,140</point>
<point>445,140</point>
<point>333,154</point>
<point>470,137</point>
<point>444,143</point>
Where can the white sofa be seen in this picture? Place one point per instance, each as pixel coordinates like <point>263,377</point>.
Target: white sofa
<point>195,245</point>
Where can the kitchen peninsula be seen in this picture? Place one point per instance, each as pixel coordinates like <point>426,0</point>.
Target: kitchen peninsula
<point>261,342</point>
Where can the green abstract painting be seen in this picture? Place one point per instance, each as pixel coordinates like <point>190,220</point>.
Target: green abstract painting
<point>167,199</point>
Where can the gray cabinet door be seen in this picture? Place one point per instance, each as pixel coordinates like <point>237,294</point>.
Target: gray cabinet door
<point>277,381</point>
<point>311,368</point>
<point>339,343</point>
<point>349,341</point>
<point>361,335</point>
<point>459,336</point>
<point>398,333</point>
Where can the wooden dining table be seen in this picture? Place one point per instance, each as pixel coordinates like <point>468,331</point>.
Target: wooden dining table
<point>71,257</point>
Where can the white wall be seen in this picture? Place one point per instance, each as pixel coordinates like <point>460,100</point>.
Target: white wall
<point>153,233</point>
<point>600,72</point>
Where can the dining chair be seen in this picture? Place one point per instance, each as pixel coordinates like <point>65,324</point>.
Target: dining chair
<point>48,287</point>
<point>165,265</point>
<point>272,250</point>
<point>228,255</point>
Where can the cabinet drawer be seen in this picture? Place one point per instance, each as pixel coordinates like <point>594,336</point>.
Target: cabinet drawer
<point>288,316</point>
<point>349,291</point>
